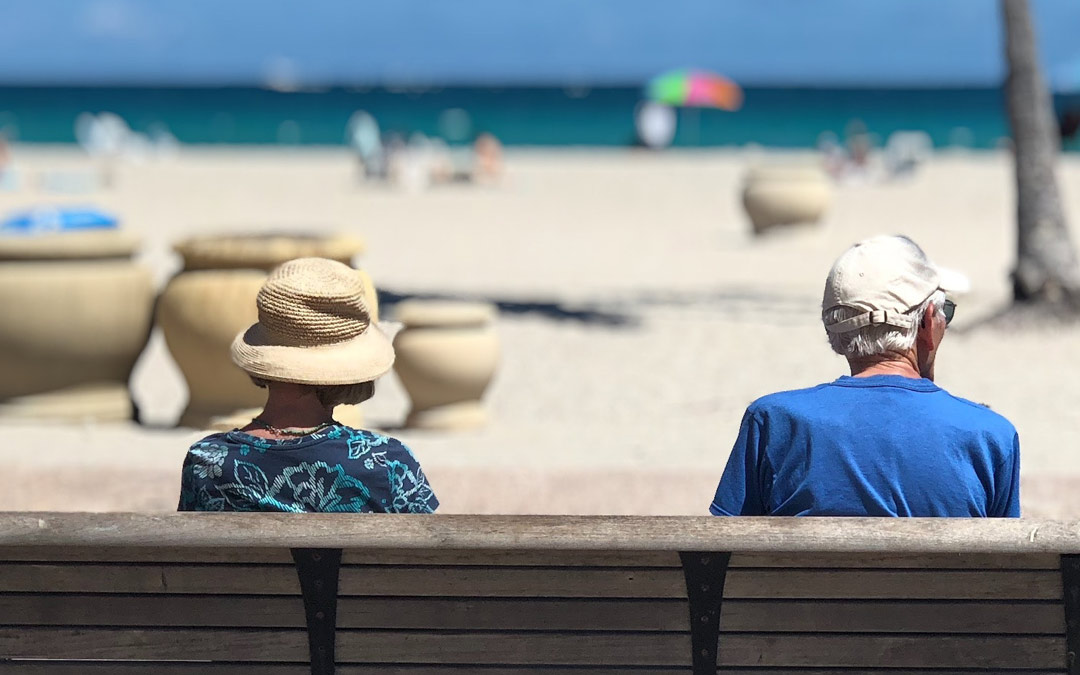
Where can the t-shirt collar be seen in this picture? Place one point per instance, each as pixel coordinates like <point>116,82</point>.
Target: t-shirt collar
<point>921,384</point>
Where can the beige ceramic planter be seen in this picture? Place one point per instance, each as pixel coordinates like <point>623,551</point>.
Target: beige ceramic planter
<point>785,195</point>
<point>264,252</point>
<point>446,356</point>
<point>206,305</point>
<point>75,316</point>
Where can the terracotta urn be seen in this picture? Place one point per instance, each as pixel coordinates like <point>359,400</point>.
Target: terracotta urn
<point>76,315</point>
<point>785,195</point>
<point>447,353</point>
<point>213,298</point>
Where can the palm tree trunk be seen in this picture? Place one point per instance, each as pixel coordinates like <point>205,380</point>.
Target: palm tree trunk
<point>1046,265</point>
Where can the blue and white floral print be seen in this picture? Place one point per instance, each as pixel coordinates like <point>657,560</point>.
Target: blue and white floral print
<point>362,445</point>
<point>339,469</point>
<point>211,456</point>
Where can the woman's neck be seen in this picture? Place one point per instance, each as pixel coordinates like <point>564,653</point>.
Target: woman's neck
<point>290,406</point>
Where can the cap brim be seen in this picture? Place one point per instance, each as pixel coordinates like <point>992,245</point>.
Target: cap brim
<point>953,282</point>
<point>361,359</point>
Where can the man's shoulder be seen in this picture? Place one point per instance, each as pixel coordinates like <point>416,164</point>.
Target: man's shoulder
<point>980,414</point>
<point>787,400</point>
<point>812,401</point>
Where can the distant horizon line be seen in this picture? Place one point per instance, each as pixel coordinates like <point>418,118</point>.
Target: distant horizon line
<point>421,87</point>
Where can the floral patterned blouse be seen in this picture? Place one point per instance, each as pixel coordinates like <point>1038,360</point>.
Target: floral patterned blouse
<point>338,469</point>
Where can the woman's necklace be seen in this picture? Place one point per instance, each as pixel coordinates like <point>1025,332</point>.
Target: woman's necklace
<point>291,431</point>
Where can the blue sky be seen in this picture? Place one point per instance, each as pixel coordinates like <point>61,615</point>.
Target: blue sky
<point>316,42</point>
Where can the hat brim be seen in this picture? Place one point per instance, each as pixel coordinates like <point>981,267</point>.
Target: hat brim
<point>361,359</point>
<point>952,282</point>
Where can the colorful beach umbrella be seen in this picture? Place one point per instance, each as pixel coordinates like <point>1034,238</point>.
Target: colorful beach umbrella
<point>695,88</point>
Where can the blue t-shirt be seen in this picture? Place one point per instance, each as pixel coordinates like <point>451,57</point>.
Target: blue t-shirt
<point>884,445</point>
<point>338,469</point>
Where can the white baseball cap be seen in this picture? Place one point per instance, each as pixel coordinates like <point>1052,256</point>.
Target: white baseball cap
<point>887,277</point>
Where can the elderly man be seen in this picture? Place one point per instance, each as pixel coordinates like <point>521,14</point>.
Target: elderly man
<point>885,441</point>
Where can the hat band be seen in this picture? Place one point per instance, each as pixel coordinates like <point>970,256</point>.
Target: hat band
<point>877,317</point>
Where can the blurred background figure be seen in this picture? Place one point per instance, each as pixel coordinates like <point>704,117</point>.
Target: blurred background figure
<point>905,151</point>
<point>833,157</point>
<point>104,137</point>
<point>859,147</point>
<point>489,157</point>
<point>656,124</point>
<point>365,140</point>
<point>7,172</point>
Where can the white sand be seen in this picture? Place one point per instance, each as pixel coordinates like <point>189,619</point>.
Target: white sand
<point>586,416</point>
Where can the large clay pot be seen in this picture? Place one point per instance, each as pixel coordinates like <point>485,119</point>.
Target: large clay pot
<point>212,299</point>
<point>785,195</point>
<point>446,356</point>
<point>76,315</point>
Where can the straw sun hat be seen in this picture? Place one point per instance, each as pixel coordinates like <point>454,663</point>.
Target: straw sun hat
<point>314,328</point>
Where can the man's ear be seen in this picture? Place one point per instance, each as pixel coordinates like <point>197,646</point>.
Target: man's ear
<point>924,332</point>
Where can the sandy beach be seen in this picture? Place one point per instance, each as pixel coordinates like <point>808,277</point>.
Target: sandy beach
<point>638,317</point>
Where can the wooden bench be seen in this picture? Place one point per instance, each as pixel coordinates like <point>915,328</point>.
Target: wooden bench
<point>86,594</point>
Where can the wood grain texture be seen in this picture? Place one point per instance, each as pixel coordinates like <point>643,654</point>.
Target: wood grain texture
<point>533,614</point>
<point>138,578</point>
<point>892,617</point>
<point>555,558</point>
<point>161,668</point>
<point>372,612</point>
<point>1005,561</point>
<point>376,580</point>
<point>662,649</point>
<point>159,644</point>
<point>900,652</point>
<point>625,533</point>
<point>281,556</point>
<point>508,582</point>
<point>540,649</point>
<point>566,649</point>
<point>898,584</point>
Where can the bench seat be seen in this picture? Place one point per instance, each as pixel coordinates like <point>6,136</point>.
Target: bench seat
<point>409,595</point>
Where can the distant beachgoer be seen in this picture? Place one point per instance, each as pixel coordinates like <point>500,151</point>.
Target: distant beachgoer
<point>488,152</point>
<point>905,151</point>
<point>5,159</point>
<point>314,347</point>
<point>859,146</point>
<point>364,138</point>
<point>885,441</point>
<point>397,151</point>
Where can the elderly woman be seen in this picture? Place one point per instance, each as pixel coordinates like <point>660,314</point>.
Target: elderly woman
<point>314,347</point>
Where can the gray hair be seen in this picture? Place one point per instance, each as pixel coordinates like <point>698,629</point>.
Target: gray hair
<point>878,339</point>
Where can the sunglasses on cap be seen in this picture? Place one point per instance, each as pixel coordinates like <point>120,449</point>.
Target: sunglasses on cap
<point>949,309</point>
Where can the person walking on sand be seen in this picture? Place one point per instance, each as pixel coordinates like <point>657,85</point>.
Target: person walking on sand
<point>885,441</point>
<point>313,348</point>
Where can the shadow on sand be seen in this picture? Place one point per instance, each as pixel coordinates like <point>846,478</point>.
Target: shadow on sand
<point>622,311</point>
<point>549,310</point>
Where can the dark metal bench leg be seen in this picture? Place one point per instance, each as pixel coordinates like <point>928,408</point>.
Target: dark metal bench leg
<point>705,573</point>
<point>1070,578</point>
<point>318,571</point>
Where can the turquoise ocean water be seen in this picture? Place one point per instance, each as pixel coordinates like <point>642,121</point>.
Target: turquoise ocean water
<point>790,118</point>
